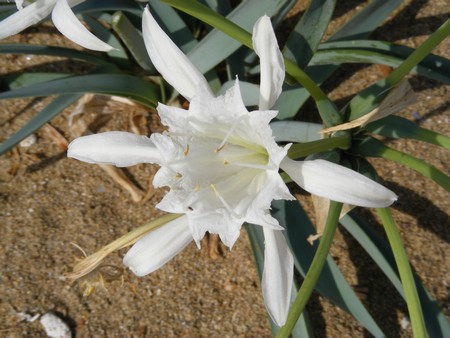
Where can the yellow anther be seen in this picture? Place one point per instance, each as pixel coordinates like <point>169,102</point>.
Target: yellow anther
<point>197,188</point>
<point>215,190</point>
<point>178,175</point>
<point>226,162</point>
<point>219,149</point>
<point>186,152</point>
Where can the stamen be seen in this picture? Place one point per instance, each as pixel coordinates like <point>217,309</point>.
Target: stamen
<point>227,136</point>
<point>186,152</point>
<point>225,204</point>
<point>178,176</point>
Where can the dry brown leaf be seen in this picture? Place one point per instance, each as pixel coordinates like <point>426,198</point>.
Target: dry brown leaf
<point>400,97</point>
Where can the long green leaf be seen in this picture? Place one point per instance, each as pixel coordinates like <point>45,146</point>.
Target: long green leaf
<point>331,283</point>
<point>436,64</point>
<point>109,5</point>
<point>306,35</point>
<point>217,45</point>
<point>129,86</point>
<point>53,51</point>
<point>44,116</point>
<point>353,55</point>
<point>379,250</point>
<point>375,148</point>
<point>26,79</point>
<point>398,127</point>
<point>132,38</point>
<point>366,100</point>
<point>361,25</point>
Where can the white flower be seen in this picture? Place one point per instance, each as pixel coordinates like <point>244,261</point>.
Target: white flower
<point>221,164</point>
<point>63,18</point>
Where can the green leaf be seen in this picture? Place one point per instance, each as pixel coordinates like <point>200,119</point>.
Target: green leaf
<point>218,46</point>
<point>132,38</point>
<point>375,148</point>
<point>434,71</point>
<point>111,5</point>
<point>295,131</point>
<point>53,51</point>
<point>305,38</point>
<point>360,26</point>
<point>128,86</point>
<point>44,116</point>
<point>371,97</point>
<point>377,248</point>
<point>398,127</point>
<point>365,21</point>
<point>331,283</point>
<point>438,66</point>
<point>117,55</point>
<point>26,79</point>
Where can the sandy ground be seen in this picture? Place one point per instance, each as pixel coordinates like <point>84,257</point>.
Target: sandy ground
<point>48,202</point>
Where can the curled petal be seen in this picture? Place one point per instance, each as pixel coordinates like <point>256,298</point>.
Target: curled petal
<point>272,66</point>
<point>158,247</point>
<point>335,182</point>
<point>68,24</point>
<point>26,17</point>
<point>277,275</point>
<point>170,61</point>
<point>116,147</point>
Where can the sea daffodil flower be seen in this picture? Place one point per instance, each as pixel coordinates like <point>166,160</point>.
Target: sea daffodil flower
<point>62,16</point>
<point>221,164</point>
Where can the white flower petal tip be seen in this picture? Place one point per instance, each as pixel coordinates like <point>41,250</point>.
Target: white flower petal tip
<point>119,148</point>
<point>25,17</point>
<point>158,247</point>
<point>277,275</point>
<point>272,65</point>
<point>337,183</point>
<point>19,4</point>
<point>170,61</point>
<point>68,24</point>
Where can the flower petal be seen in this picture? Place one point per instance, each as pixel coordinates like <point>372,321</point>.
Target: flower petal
<point>170,61</point>
<point>277,275</point>
<point>26,17</point>
<point>333,181</point>
<point>68,24</point>
<point>116,147</point>
<point>272,66</point>
<point>158,247</point>
<point>19,4</point>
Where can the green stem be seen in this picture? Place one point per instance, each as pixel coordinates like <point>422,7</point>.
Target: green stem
<point>406,276</point>
<point>375,148</point>
<point>327,109</point>
<point>314,271</point>
<point>371,97</point>
<point>419,54</point>
<point>299,150</point>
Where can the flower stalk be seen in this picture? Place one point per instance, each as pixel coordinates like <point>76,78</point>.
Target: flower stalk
<point>300,150</point>
<point>314,271</point>
<point>404,269</point>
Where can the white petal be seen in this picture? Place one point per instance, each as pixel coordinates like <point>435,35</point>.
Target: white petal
<point>277,275</point>
<point>170,61</point>
<point>116,147</point>
<point>271,61</point>
<point>19,4</point>
<point>335,182</point>
<point>158,247</point>
<point>26,17</point>
<point>68,24</point>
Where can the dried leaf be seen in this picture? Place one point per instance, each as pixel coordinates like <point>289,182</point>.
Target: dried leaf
<point>400,97</point>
